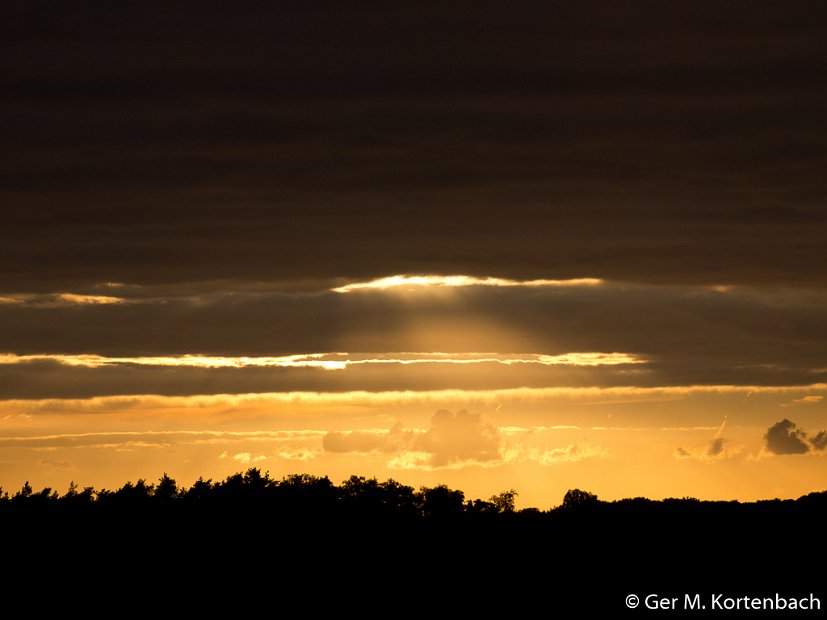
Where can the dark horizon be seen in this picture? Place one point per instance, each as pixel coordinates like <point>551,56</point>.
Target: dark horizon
<point>366,543</point>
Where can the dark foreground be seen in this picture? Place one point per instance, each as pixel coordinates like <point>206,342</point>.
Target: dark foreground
<point>302,545</point>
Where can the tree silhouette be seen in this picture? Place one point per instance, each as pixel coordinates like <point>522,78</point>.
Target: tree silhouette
<point>505,501</point>
<point>575,498</point>
<point>440,502</point>
<point>166,490</point>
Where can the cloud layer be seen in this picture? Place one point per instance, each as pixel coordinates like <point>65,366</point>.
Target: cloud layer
<point>210,200</point>
<point>635,142</point>
<point>213,339</point>
<point>455,440</point>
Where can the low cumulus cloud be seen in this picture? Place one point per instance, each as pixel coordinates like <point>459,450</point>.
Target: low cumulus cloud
<point>298,454</point>
<point>785,437</point>
<point>355,441</point>
<point>367,441</point>
<point>716,446</point>
<point>819,440</point>
<point>452,439</point>
<point>460,436</point>
<point>245,458</point>
<point>455,440</point>
<point>51,463</point>
<point>714,450</point>
<point>571,454</point>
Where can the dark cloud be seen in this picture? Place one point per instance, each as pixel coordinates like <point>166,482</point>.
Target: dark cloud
<point>687,335</point>
<point>643,319</point>
<point>785,437</point>
<point>239,161</point>
<point>646,141</point>
<point>681,453</point>
<point>52,380</point>
<point>716,446</point>
<point>819,440</point>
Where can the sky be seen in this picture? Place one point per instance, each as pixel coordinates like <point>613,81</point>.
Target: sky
<point>528,245</point>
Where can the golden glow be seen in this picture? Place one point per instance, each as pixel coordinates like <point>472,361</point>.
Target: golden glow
<point>589,359</point>
<point>331,361</point>
<point>56,300</point>
<point>418,281</point>
<point>89,299</point>
<point>541,441</point>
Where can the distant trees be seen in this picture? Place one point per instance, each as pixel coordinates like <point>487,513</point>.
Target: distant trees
<point>253,494</point>
<point>384,546</point>
<point>254,499</point>
<point>307,525</point>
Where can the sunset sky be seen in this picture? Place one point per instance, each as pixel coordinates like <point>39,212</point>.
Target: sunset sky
<point>528,245</point>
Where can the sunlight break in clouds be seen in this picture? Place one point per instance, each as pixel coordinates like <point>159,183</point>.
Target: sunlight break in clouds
<point>55,300</point>
<point>406,281</point>
<point>89,299</point>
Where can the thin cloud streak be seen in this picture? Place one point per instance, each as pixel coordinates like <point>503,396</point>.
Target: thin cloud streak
<point>61,300</point>
<point>358,398</point>
<point>330,361</point>
<point>455,281</point>
<point>114,438</point>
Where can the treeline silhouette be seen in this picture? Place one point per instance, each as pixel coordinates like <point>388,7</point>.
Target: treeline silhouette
<point>383,534</point>
<point>361,500</point>
<point>299,496</point>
